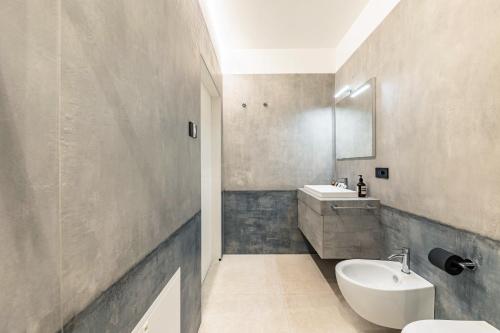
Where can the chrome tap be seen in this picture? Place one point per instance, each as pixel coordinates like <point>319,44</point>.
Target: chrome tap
<point>342,180</point>
<point>405,259</point>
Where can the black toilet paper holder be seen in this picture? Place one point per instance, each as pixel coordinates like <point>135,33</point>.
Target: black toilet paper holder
<point>450,262</point>
<point>468,265</point>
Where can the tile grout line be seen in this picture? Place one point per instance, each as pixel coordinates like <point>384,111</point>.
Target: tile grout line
<point>59,109</point>
<point>283,297</point>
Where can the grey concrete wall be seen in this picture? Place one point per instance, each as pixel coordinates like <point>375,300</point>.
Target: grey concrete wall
<point>468,296</point>
<point>29,229</point>
<point>438,74</point>
<point>284,146</point>
<point>97,168</point>
<point>262,222</point>
<point>130,173</point>
<point>130,297</point>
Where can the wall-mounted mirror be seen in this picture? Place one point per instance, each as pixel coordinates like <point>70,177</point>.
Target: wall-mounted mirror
<point>355,122</point>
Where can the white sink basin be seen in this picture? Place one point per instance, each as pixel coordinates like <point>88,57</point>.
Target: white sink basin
<point>329,191</point>
<point>449,326</point>
<point>379,292</point>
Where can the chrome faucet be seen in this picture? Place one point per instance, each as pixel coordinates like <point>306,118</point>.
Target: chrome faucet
<point>342,180</point>
<point>405,259</point>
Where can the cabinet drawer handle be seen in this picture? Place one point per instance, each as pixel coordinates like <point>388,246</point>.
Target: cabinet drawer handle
<point>334,207</point>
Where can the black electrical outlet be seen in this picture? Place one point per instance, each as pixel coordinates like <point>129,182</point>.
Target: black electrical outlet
<point>382,173</point>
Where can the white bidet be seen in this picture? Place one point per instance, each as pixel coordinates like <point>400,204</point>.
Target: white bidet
<point>379,292</point>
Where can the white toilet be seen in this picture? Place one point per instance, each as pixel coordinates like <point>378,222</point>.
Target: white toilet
<point>449,326</point>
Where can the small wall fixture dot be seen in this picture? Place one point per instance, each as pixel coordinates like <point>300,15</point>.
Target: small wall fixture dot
<point>265,104</point>
<point>244,105</point>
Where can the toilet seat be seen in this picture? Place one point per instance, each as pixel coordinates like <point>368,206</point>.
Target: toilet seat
<point>449,326</point>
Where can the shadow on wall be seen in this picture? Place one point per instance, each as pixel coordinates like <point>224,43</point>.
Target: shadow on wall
<point>16,188</point>
<point>108,85</point>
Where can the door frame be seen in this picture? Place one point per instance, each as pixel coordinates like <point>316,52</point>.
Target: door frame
<point>216,162</point>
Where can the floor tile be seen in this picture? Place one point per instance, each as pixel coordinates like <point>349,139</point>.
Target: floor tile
<point>277,293</point>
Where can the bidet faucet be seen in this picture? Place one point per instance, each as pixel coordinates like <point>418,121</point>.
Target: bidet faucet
<point>405,259</point>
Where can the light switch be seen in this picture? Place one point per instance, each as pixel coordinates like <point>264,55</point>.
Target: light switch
<point>193,130</point>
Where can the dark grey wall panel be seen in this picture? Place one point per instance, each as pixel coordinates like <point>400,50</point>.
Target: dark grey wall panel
<point>121,306</point>
<point>262,222</point>
<point>468,296</point>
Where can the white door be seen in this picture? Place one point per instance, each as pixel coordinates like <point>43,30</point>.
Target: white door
<point>211,169</point>
<point>206,181</point>
<point>216,196</point>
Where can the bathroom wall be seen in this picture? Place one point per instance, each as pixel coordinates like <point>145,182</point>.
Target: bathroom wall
<point>284,145</point>
<point>438,71</point>
<point>468,296</point>
<point>262,222</point>
<point>29,184</point>
<point>438,74</point>
<point>98,174</point>
<point>126,301</point>
<point>268,152</point>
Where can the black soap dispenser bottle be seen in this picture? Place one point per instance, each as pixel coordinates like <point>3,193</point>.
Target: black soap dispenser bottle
<point>362,189</point>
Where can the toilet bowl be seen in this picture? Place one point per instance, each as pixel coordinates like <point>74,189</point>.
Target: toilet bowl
<point>449,326</point>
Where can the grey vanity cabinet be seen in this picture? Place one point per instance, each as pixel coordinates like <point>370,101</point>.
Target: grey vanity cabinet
<point>341,228</point>
<point>311,225</point>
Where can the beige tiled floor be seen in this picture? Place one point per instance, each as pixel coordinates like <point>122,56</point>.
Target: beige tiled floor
<point>277,293</point>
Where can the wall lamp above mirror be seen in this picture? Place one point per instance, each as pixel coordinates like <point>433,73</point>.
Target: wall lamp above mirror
<point>355,121</point>
<point>346,91</point>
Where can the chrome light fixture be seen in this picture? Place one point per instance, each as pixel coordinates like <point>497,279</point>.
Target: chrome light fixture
<point>342,91</point>
<point>359,90</point>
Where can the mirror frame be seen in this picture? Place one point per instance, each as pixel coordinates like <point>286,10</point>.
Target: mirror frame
<point>373,82</point>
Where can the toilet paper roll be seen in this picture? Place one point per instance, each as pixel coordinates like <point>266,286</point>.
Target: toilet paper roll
<point>446,261</point>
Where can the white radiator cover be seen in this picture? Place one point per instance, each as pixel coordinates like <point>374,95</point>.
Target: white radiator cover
<point>164,315</point>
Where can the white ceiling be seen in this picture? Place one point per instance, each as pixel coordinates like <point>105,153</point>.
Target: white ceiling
<point>284,24</point>
<point>265,33</point>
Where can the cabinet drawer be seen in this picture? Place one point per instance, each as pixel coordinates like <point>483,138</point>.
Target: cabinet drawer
<point>350,230</point>
<point>311,225</point>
